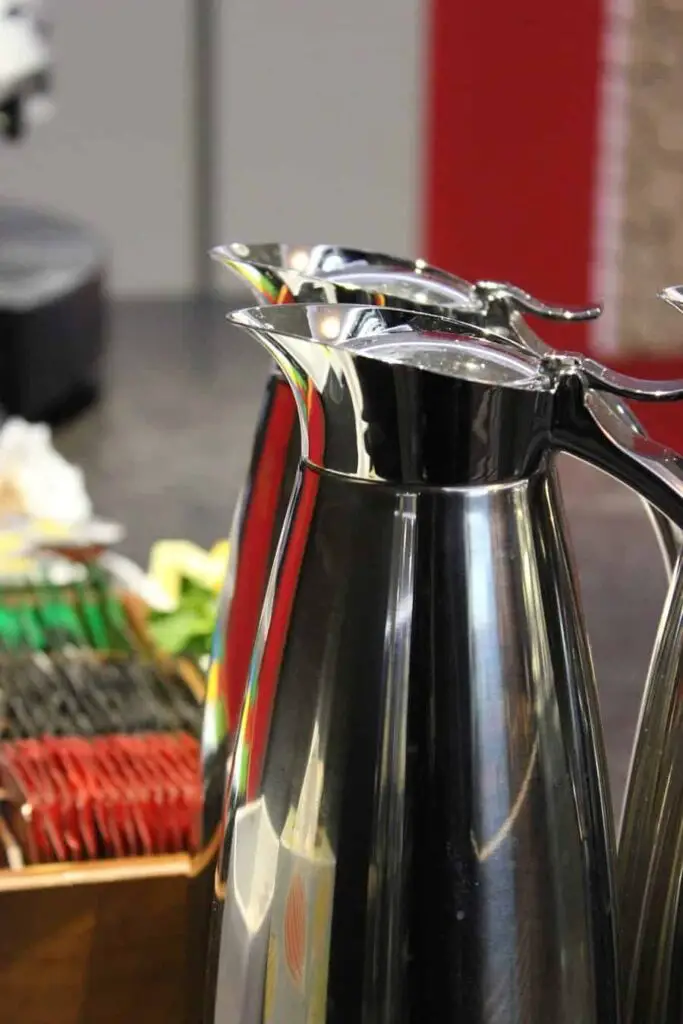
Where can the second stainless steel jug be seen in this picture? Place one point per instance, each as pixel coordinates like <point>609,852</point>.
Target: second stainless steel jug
<point>279,274</point>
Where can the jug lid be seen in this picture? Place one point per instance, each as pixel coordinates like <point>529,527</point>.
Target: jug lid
<point>465,357</point>
<point>414,340</point>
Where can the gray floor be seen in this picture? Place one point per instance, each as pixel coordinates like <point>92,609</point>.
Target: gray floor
<point>166,449</point>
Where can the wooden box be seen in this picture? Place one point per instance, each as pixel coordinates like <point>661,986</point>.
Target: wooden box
<point>106,942</point>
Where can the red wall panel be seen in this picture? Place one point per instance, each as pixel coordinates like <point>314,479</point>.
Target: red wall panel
<point>514,94</point>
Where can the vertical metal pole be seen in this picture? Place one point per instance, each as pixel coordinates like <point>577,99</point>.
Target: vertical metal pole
<point>205,15</point>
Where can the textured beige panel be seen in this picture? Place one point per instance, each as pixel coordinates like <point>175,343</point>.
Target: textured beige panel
<point>651,253</point>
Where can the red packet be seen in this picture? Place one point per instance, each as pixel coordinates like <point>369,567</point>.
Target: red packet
<point>135,795</point>
<point>77,771</point>
<point>66,815</point>
<point>178,773</point>
<point>173,769</point>
<point>33,752</point>
<point>174,799</point>
<point>156,798</point>
<point>188,749</point>
<point>27,827</point>
<point>125,799</point>
<point>119,827</point>
<point>187,757</point>
<point>23,760</point>
<point>84,756</point>
<point>164,798</point>
<point>15,777</point>
<point>82,820</point>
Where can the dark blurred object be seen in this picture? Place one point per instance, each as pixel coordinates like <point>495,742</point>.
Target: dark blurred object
<point>52,315</point>
<point>25,66</point>
<point>12,111</point>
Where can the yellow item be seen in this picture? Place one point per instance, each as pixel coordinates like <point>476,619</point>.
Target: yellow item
<point>50,528</point>
<point>11,541</point>
<point>172,561</point>
<point>13,560</point>
<point>220,551</point>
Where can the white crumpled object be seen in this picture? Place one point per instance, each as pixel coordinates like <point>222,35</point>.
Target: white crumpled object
<point>49,486</point>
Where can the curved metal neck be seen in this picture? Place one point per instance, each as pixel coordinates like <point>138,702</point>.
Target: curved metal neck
<point>395,399</point>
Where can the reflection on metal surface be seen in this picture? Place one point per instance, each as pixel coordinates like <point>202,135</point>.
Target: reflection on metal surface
<point>246,923</point>
<point>384,969</point>
<point>673,295</point>
<point>650,850</point>
<point>422,729</point>
<point>492,845</point>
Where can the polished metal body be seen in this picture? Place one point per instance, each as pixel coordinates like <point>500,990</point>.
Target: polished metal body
<point>417,824</point>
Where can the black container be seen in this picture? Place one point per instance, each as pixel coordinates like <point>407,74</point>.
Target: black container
<point>52,314</point>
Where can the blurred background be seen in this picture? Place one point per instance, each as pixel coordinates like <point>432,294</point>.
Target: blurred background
<point>540,143</point>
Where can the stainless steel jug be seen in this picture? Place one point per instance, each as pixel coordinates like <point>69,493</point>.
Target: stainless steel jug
<point>417,823</point>
<point>288,273</point>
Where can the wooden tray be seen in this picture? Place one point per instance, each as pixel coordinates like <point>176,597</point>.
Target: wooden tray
<point>107,942</point>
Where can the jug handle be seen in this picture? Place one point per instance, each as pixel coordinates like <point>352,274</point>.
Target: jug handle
<point>509,303</point>
<point>590,424</point>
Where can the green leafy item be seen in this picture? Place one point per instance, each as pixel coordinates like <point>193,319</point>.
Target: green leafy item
<point>187,630</point>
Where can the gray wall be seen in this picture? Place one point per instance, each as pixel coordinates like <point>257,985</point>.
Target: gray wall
<point>118,152</point>
<point>316,128</point>
<point>319,119</point>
